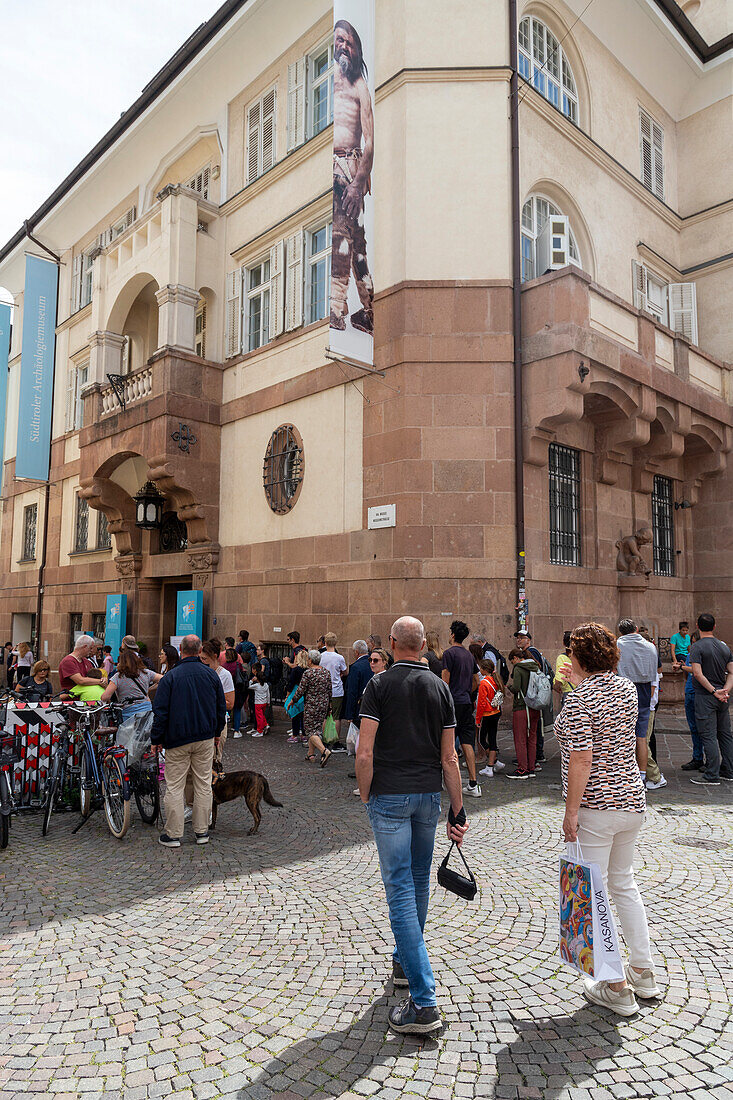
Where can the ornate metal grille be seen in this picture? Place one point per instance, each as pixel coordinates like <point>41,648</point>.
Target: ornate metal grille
<point>75,627</point>
<point>173,535</point>
<point>99,624</point>
<point>282,472</point>
<point>663,527</point>
<point>104,539</point>
<point>81,535</point>
<point>30,525</point>
<point>564,470</point>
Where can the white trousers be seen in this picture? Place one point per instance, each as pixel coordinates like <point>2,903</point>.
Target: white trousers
<point>608,838</point>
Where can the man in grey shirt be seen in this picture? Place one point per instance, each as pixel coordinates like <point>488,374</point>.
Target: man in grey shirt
<point>712,668</point>
<point>638,662</point>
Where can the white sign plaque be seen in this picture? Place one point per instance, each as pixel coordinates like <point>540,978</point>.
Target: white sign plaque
<point>383,516</point>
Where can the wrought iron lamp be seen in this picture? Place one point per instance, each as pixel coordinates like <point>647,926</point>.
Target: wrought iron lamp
<point>148,507</point>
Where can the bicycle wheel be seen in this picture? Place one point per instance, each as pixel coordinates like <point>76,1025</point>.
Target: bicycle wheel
<point>86,780</point>
<point>52,793</point>
<point>147,794</point>
<point>116,806</point>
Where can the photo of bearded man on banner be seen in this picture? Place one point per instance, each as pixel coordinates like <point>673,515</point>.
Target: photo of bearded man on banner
<point>353,157</point>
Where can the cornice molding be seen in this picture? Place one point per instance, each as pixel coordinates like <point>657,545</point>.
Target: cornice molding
<point>439,75</point>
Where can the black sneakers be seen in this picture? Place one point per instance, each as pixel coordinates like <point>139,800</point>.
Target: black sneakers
<point>169,841</point>
<point>703,781</point>
<point>408,1019</point>
<point>693,766</point>
<point>399,978</point>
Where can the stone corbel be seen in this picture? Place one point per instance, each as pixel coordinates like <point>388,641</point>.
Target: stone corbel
<point>545,411</point>
<point>624,435</point>
<point>128,566</point>
<point>163,474</point>
<point>119,508</point>
<point>205,559</point>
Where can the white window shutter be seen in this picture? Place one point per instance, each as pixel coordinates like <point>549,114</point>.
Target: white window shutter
<point>76,283</point>
<point>276,289</point>
<point>70,397</point>
<point>638,274</point>
<point>205,177</point>
<point>658,147</point>
<point>682,309</point>
<point>268,130</point>
<point>233,335</point>
<point>296,103</point>
<point>130,217</point>
<point>126,349</point>
<point>645,148</point>
<point>294,307</point>
<point>253,141</point>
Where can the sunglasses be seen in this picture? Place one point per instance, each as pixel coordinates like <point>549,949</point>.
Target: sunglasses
<point>375,660</point>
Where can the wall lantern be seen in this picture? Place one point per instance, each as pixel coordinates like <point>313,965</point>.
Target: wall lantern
<point>682,504</point>
<point>148,507</point>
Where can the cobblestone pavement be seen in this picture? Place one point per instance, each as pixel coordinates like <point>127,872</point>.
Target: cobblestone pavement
<point>257,967</point>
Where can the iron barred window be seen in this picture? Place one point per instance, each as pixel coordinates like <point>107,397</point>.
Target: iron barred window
<point>30,524</point>
<point>663,527</point>
<point>99,625</point>
<point>564,470</point>
<point>75,627</point>
<point>81,534</point>
<point>104,538</point>
<point>282,472</point>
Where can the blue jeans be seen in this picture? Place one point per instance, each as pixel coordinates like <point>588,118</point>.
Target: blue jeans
<point>404,829</point>
<point>236,719</point>
<point>644,695</point>
<point>697,752</point>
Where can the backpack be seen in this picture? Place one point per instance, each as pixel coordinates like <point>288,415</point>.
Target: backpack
<point>503,668</point>
<point>539,692</point>
<point>276,670</point>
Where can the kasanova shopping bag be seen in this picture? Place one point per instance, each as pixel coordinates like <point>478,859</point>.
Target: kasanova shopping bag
<point>588,940</point>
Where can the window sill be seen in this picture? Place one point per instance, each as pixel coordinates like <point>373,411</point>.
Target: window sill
<point>94,550</point>
<point>26,561</point>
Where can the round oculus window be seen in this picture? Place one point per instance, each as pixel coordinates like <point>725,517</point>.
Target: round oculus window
<point>282,472</point>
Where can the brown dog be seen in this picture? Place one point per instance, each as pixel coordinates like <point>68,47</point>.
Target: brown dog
<point>251,786</point>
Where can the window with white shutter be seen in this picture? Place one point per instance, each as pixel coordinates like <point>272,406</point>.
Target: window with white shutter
<point>120,226</point>
<point>200,181</point>
<point>650,292</point>
<point>319,273</point>
<point>76,282</point>
<point>277,261</point>
<point>294,297</point>
<point>261,135</point>
<point>200,330</point>
<point>233,334</point>
<point>320,88</point>
<point>77,379</point>
<point>296,103</point>
<point>535,213</point>
<point>651,147</point>
<point>682,306</point>
<point>257,305</point>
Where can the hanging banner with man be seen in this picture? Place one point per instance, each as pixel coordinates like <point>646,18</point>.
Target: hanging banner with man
<point>352,286</point>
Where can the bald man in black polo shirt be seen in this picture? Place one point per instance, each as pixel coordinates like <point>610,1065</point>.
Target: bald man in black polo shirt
<point>406,748</point>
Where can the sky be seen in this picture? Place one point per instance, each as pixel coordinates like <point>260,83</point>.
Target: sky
<point>69,70</point>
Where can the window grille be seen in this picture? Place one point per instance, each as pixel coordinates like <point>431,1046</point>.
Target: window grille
<point>173,537</point>
<point>81,531</point>
<point>564,471</point>
<point>282,473</point>
<point>99,625</point>
<point>104,538</point>
<point>75,627</point>
<point>543,63</point>
<point>30,525</point>
<point>663,527</point>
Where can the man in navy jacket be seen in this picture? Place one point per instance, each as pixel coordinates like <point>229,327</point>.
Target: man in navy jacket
<point>360,673</point>
<point>189,710</point>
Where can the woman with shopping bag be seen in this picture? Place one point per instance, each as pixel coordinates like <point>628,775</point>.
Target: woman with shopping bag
<point>605,803</point>
<point>315,690</point>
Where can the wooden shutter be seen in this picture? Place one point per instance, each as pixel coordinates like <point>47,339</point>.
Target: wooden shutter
<point>205,177</point>
<point>268,130</point>
<point>129,217</point>
<point>294,297</point>
<point>253,141</point>
<point>276,289</point>
<point>651,145</point>
<point>76,283</point>
<point>682,309</point>
<point>658,148</point>
<point>296,102</point>
<point>638,274</point>
<point>70,397</point>
<point>645,148</point>
<point>233,335</point>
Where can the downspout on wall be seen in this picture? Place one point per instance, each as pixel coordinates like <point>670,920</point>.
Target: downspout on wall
<point>521,607</point>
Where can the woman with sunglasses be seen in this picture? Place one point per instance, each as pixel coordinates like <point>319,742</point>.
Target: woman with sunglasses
<point>36,688</point>
<point>378,661</point>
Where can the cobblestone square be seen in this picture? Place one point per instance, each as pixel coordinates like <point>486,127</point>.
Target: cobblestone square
<point>258,967</point>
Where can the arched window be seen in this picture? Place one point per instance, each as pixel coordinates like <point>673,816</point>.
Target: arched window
<point>542,61</point>
<point>535,213</point>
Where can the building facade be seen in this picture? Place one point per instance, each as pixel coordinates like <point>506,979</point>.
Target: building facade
<point>192,333</point>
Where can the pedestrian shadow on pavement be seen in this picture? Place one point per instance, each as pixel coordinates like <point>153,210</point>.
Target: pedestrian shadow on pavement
<point>335,1062</point>
<point>554,1053</point>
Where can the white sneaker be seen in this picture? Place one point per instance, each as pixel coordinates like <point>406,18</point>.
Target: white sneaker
<point>644,985</point>
<point>600,993</point>
<point>656,786</point>
<point>475,792</point>
<point>357,791</point>
<point>498,766</point>
<point>187,813</point>
<point>237,733</point>
<point>259,734</point>
<point>487,771</point>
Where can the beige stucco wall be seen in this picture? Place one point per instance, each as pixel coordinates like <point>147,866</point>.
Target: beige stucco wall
<point>330,502</point>
<point>705,164</point>
<point>20,503</point>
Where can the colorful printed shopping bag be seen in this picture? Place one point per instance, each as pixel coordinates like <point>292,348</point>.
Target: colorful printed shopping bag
<point>588,940</point>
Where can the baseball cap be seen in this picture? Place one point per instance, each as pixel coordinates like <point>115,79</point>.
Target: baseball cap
<point>129,642</point>
<point>522,634</point>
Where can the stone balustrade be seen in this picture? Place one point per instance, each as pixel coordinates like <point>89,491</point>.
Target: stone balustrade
<point>137,387</point>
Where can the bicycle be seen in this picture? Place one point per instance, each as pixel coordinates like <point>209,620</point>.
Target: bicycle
<point>103,778</point>
<point>57,778</point>
<point>9,755</point>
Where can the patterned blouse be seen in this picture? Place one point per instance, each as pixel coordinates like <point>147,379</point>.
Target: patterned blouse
<point>601,715</point>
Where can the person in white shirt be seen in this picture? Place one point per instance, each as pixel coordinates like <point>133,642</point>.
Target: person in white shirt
<point>336,666</point>
<point>210,657</point>
<point>262,697</point>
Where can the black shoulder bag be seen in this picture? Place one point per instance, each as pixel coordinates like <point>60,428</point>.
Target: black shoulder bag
<point>455,882</point>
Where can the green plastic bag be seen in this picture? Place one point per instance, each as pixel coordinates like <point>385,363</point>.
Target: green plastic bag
<point>330,736</point>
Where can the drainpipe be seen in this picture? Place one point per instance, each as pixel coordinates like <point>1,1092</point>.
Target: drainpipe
<point>42,564</point>
<point>521,607</point>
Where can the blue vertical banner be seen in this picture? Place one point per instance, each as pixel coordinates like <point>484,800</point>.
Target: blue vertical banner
<point>115,626</point>
<point>190,613</point>
<point>5,321</point>
<point>36,368</point>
